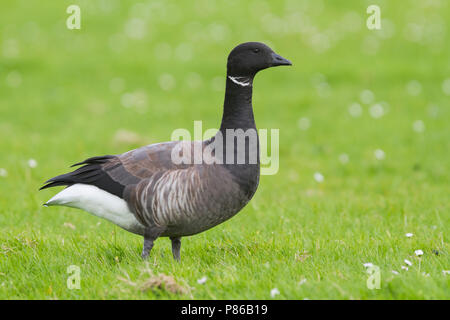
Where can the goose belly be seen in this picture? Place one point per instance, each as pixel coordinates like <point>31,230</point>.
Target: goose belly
<point>185,223</point>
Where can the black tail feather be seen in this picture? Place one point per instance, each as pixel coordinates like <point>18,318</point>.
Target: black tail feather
<point>94,160</point>
<point>53,184</point>
<point>91,173</point>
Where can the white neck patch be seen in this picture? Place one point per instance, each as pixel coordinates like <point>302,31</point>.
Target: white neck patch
<point>242,81</point>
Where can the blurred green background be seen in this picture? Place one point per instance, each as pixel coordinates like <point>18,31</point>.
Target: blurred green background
<point>364,143</point>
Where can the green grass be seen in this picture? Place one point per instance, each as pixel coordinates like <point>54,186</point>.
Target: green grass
<point>63,111</point>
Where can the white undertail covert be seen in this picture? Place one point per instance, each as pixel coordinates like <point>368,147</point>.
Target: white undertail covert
<point>99,203</point>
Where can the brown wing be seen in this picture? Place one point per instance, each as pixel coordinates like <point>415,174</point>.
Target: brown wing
<point>142,163</point>
<point>114,173</point>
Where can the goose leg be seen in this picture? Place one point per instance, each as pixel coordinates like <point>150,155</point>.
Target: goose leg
<point>150,235</point>
<point>176,247</point>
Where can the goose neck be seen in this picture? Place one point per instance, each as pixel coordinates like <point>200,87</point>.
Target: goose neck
<point>238,110</point>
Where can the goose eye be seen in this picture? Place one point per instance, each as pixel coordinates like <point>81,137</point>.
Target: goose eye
<point>256,50</point>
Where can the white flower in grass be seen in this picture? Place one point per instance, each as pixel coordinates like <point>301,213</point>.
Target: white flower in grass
<point>202,280</point>
<point>379,154</point>
<point>433,110</point>
<point>414,88</point>
<point>304,123</point>
<point>32,163</point>
<point>409,235</point>
<point>184,52</point>
<point>116,85</point>
<point>14,79</point>
<point>394,272</point>
<point>409,263</point>
<point>117,42</point>
<point>136,28</point>
<point>323,89</point>
<point>274,292</point>
<point>303,281</point>
<point>355,110</point>
<point>69,225</point>
<point>11,48</point>
<point>218,32</point>
<point>418,126</point>
<point>217,83</point>
<point>445,272</point>
<point>163,51</point>
<point>425,274</point>
<point>167,81</point>
<point>418,253</point>
<point>404,268</point>
<point>368,264</point>
<point>344,158</point>
<point>193,80</point>
<point>127,100</point>
<point>318,177</point>
<point>3,173</point>
<point>376,111</point>
<point>366,96</point>
<point>446,86</point>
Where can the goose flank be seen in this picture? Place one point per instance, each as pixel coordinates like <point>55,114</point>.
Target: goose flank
<point>147,193</point>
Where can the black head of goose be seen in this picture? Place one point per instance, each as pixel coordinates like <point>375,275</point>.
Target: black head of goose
<point>162,189</point>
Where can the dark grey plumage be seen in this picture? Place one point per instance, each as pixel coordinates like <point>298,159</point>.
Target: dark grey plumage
<point>176,200</point>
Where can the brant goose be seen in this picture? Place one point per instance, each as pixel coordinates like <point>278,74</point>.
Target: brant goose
<point>149,192</point>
